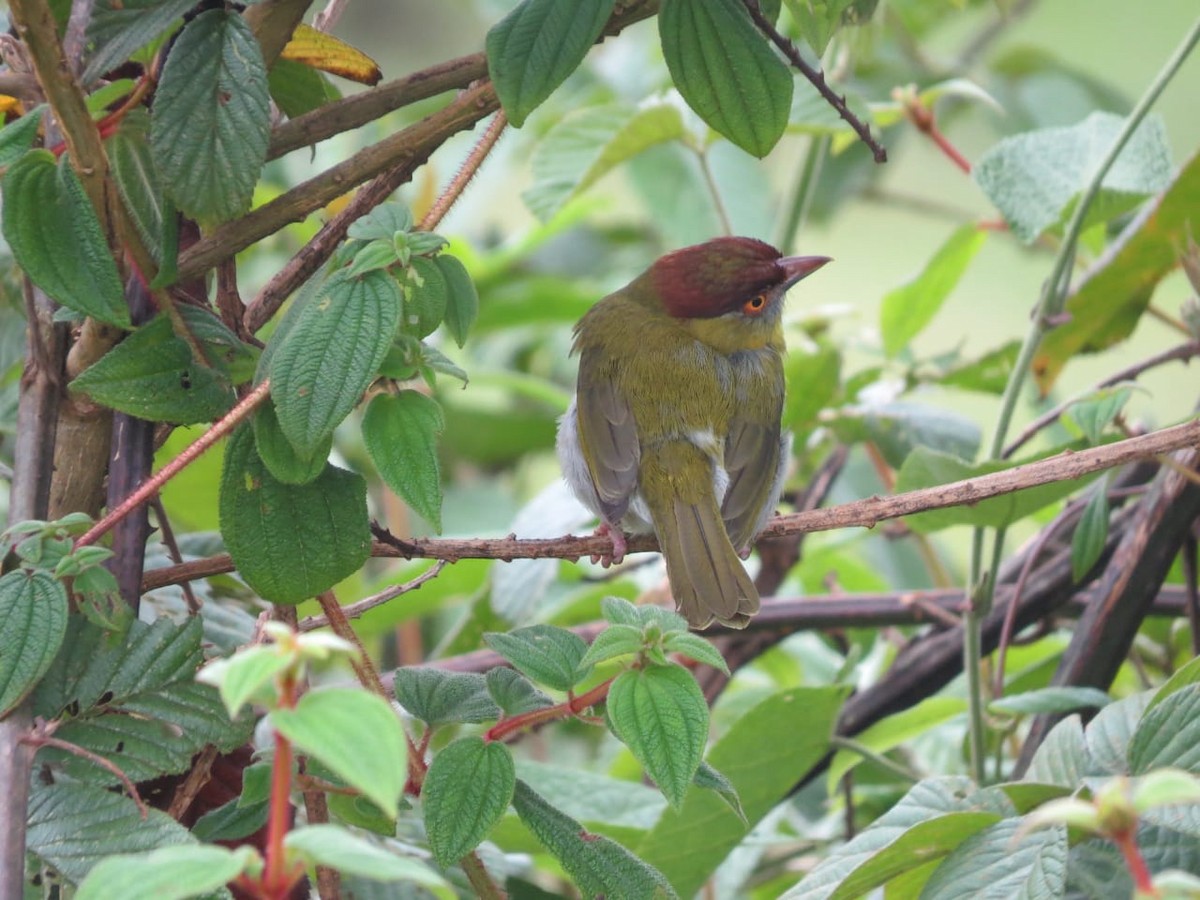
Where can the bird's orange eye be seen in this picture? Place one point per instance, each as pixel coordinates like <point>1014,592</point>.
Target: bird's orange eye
<point>755,305</point>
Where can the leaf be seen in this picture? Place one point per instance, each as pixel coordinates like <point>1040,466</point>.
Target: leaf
<point>1106,306</point>
<point>384,222</point>
<point>437,697</point>
<point>533,49</point>
<point>989,373</point>
<point>462,301</point>
<point>17,137</point>
<point>1109,734</point>
<point>1188,673</point>
<point>891,732</point>
<point>726,72</point>
<point>661,715</point>
<point>818,22</point>
<point>1004,860</point>
<point>153,375</point>
<point>277,453</point>
<point>137,180</point>
<point>297,89</point>
<point>695,648</point>
<point>933,818</point>
<point>1062,758</point>
<point>599,866</point>
<point>400,432</point>
<point>321,366</point>
<point>355,734</point>
<point>906,310</point>
<point>514,693</point>
<point>549,655</point>
<point>1091,534</point>
<point>900,428</point>
<point>1169,734</point>
<point>1035,178</point>
<point>614,641</point>
<point>170,873</point>
<point>467,789</point>
<point>1054,699</point>
<point>926,468</point>
<point>290,542</point>
<point>812,382</point>
<point>323,51</point>
<point>33,622</point>
<point>1093,414</point>
<point>711,780</point>
<point>615,806</point>
<point>341,849</point>
<point>688,844</point>
<point>246,675</point>
<point>57,240</point>
<point>119,27</point>
<point>586,145</point>
<point>425,298</point>
<point>73,826</point>
<point>211,119</point>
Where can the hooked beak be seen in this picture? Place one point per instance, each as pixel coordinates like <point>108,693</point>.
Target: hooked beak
<point>798,267</point>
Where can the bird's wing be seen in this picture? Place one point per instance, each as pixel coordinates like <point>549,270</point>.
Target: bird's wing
<point>609,435</point>
<point>754,462</point>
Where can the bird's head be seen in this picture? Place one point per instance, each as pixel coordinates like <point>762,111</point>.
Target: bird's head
<point>730,289</point>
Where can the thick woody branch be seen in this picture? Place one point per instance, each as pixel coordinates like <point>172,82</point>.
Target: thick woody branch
<point>866,513</point>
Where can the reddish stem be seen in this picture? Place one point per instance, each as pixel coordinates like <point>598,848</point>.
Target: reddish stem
<point>922,117</point>
<point>277,880</point>
<point>1126,841</point>
<point>571,707</point>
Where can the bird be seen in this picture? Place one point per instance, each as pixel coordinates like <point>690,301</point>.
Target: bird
<point>675,423</point>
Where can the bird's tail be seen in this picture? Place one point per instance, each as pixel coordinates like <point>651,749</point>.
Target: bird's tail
<point>707,578</point>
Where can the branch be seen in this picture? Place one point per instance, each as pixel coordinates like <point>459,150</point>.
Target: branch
<point>867,513</point>
<point>817,79</point>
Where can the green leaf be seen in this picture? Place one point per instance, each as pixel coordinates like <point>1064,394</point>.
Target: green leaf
<point>425,298</point>
<point>57,240</point>
<point>925,468</point>
<point>688,844</point>
<point>891,732</point>
<point>400,432</point>
<point>696,648</point>
<point>900,428</point>
<point>1188,673</point>
<point>290,542</point>
<point>467,789</point>
<point>906,310</point>
<point>1093,414</point>
<point>818,22</point>
<point>989,373</point>
<point>1054,699</point>
<point>812,382</point>
<point>1087,543</point>
<point>119,27</point>
<point>661,715</point>
<point>33,623</point>
<point>355,734</point>
<point>549,655</point>
<point>614,641</point>
<point>514,693</point>
<point>726,71</point>
<point>384,222</point>
<point>1035,178</point>
<point>436,697</point>
<point>1169,734</point>
<point>170,873</point>
<point>16,138</point>
<point>933,818</point>
<point>462,300</point>
<point>586,145</point>
<point>1062,758</point>
<point>153,375</point>
<point>72,827</point>
<point>711,780</point>
<point>376,254</point>
<point>600,867</point>
<point>341,849</point>
<point>619,611</point>
<point>211,119</point>
<point>277,453</point>
<point>325,360</point>
<point>297,88</point>
<point>533,49</point>
<point>137,179</point>
<point>1107,305</point>
<point>247,675</point>
<point>231,821</point>
<point>1109,733</point>
<point>1003,860</point>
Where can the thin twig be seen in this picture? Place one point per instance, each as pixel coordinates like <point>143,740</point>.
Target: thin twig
<point>45,740</point>
<point>817,79</point>
<point>168,539</point>
<point>198,776</point>
<point>465,173</point>
<point>354,610</point>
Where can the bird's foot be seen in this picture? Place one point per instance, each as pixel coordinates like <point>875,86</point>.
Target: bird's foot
<point>744,552</point>
<point>619,546</point>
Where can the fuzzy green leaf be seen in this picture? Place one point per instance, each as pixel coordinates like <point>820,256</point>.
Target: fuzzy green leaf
<point>290,542</point>
<point>169,873</point>
<point>726,71</point>
<point>211,119</point>
<point>614,641</point>
<point>1169,734</point>
<point>322,364</point>
<point>425,299</point>
<point>1004,860</point>
<point>661,715</point>
<point>57,240</point>
<point>514,693</point>
<point>533,49</point>
<point>16,138</point>
<point>697,648</point>
<point>119,27</point>
<point>282,459</point>
<point>462,300</point>
<point>33,623</point>
<point>400,432</point>
<point>341,849</point>
<point>355,734</point>
<point>549,655</point>
<point>467,789</point>
<point>437,697</point>
<point>1091,534</point>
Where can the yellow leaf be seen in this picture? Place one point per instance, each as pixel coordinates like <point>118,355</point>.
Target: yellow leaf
<point>10,104</point>
<point>318,50</point>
